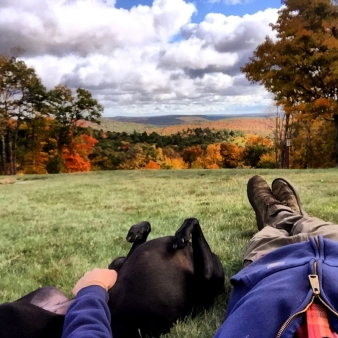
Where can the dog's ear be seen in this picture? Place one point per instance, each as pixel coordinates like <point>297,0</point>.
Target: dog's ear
<point>48,298</point>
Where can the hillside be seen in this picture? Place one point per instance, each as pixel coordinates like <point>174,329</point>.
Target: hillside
<point>171,120</point>
<point>248,125</point>
<point>167,125</point>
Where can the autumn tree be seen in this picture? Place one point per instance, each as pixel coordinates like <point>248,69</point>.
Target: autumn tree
<point>174,163</point>
<point>21,96</point>
<point>36,145</point>
<point>255,148</point>
<point>213,156</point>
<point>211,159</point>
<point>170,158</point>
<point>280,132</point>
<point>191,154</point>
<point>300,67</point>
<point>138,155</point>
<point>312,145</point>
<point>67,109</point>
<point>75,156</point>
<point>152,165</point>
<point>231,155</point>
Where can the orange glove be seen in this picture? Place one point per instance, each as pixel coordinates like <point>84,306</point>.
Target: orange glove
<point>102,277</point>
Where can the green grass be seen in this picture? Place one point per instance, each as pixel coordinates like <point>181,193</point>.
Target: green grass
<point>54,228</point>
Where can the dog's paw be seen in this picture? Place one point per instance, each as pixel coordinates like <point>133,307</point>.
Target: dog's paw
<point>184,233</point>
<point>181,239</point>
<point>138,232</point>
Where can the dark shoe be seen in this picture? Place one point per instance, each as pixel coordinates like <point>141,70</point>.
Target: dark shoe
<point>285,192</point>
<point>261,199</point>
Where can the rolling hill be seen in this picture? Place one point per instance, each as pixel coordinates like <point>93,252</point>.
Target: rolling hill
<point>171,124</point>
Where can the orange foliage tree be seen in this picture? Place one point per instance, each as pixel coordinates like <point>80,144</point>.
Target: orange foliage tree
<point>312,143</point>
<point>35,162</point>
<point>231,155</point>
<point>213,158</point>
<point>300,66</point>
<point>212,166</point>
<point>152,165</point>
<point>75,158</point>
<point>174,163</point>
<point>170,158</point>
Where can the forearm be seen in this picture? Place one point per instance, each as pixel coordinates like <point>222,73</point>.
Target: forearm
<point>88,316</point>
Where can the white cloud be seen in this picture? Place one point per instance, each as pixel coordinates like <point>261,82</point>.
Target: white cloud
<point>88,26</point>
<point>147,60</point>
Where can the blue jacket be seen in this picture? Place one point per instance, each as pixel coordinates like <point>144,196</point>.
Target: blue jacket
<point>267,293</point>
<point>89,315</point>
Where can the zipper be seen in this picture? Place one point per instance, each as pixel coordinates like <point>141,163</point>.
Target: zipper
<point>314,282</point>
<point>290,319</point>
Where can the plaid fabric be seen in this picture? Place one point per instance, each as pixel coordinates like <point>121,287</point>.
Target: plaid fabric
<point>315,324</point>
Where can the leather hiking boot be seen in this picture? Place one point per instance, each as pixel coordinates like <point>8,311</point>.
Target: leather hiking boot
<point>261,199</point>
<point>285,192</point>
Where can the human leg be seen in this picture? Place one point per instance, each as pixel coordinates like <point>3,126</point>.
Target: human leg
<point>313,226</point>
<point>272,218</point>
<point>265,241</point>
<point>305,226</point>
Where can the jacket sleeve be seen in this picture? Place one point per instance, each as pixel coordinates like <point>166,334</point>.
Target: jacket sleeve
<point>88,316</point>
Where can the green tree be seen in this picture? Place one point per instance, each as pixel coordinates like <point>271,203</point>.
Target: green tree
<point>67,109</point>
<point>301,67</point>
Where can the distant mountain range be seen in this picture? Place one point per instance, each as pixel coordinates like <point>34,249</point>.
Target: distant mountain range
<point>173,120</point>
<point>259,124</point>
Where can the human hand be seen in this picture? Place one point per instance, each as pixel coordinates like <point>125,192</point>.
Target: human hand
<point>102,277</point>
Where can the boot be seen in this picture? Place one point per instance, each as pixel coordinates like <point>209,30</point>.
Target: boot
<point>285,192</point>
<point>263,201</point>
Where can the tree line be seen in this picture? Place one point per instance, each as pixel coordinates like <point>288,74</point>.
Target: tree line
<point>41,131</point>
<point>192,148</point>
<point>28,110</point>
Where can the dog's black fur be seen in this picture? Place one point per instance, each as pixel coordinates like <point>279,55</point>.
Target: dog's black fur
<point>159,282</point>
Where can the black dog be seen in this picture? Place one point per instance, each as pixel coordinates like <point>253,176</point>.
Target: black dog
<point>160,281</point>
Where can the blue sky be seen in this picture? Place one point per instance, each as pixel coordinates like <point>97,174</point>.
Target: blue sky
<point>164,57</point>
<point>204,7</point>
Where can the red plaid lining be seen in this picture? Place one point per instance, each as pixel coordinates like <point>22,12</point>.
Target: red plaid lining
<point>315,324</point>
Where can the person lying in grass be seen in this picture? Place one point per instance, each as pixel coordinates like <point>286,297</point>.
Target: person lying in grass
<point>287,287</point>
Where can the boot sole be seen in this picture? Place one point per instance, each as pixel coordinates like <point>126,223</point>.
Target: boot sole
<point>294,191</point>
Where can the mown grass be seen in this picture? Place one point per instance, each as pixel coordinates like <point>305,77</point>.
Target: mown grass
<point>54,228</point>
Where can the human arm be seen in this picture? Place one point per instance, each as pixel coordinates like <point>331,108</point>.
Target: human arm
<point>89,316</point>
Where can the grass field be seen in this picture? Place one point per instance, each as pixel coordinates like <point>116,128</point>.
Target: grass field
<point>54,228</point>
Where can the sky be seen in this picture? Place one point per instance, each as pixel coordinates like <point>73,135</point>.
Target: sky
<point>144,57</point>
